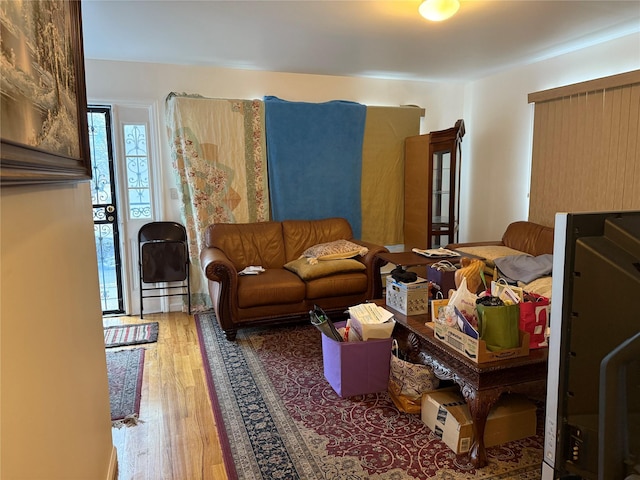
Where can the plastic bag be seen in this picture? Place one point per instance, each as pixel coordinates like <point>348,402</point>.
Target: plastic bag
<point>465,302</point>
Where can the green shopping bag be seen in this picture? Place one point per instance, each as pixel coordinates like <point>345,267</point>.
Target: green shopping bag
<point>499,326</point>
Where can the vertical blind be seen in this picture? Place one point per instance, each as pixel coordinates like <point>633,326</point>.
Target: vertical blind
<point>586,151</point>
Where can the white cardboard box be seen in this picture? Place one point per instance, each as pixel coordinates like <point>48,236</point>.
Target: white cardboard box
<point>408,298</point>
<point>369,331</point>
<point>370,321</point>
<point>446,413</point>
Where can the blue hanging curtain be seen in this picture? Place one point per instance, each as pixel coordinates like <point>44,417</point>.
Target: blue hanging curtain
<point>314,153</point>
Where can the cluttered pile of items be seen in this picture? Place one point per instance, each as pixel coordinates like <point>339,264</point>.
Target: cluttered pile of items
<point>500,322</point>
<point>484,323</point>
<point>356,353</point>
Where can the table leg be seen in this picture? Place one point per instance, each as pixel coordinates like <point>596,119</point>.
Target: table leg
<point>480,403</point>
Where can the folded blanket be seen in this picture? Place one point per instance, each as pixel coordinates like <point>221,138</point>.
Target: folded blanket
<point>315,159</point>
<point>525,268</point>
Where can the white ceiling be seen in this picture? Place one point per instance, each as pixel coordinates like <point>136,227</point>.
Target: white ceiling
<point>375,38</point>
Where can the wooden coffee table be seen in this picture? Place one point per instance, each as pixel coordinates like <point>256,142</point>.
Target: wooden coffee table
<point>481,383</point>
<point>404,259</point>
<point>412,259</point>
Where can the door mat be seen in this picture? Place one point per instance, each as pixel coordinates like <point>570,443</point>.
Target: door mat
<point>124,371</point>
<point>134,334</point>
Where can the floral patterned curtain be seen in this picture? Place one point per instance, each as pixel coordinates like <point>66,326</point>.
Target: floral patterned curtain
<point>219,157</point>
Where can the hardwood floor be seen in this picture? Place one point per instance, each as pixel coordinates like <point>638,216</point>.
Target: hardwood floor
<point>178,439</point>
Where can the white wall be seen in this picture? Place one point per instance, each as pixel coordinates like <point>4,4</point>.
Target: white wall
<point>55,396</point>
<point>496,148</point>
<point>500,123</point>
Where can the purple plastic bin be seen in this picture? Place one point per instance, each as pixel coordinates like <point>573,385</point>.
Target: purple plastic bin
<point>356,368</point>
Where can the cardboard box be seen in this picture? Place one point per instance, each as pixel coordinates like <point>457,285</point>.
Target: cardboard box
<point>408,298</point>
<point>446,413</point>
<point>356,368</point>
<point>476,350</point>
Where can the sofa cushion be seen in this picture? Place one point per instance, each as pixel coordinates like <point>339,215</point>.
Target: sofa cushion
<point>337,285</point>
<point>307,271</point>
<point>529,237</point>
<point>489,252</point>
<point>272,287</point>
<point>541,286</point>
<point>245,244</point>
<point>299,235</point>
<point>335,250</point>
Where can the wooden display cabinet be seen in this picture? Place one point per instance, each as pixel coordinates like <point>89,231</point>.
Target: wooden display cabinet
<point>432,188</point>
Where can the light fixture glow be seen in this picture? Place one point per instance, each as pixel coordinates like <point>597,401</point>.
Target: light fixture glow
<point>438,10</point>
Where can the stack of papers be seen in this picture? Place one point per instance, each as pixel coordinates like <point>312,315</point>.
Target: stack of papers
<point>370,313</point>
<point>251,270</point>
<point>371,321</point>
<point>436,252</point>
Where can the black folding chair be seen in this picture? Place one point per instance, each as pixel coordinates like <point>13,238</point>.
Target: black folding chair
<point>163,257</point>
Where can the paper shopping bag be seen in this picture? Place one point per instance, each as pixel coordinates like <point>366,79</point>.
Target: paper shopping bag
<point>534,319</point>
<point>443,274</point>
<point>436,306</point>
<point>499,326</point>
<point>509,294</point>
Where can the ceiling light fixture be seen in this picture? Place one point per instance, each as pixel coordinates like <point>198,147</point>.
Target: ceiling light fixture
<point>438,10</point>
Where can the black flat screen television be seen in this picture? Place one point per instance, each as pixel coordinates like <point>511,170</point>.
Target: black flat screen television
<point>592,424</point>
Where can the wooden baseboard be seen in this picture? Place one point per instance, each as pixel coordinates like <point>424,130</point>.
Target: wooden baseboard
<point>112,473</point>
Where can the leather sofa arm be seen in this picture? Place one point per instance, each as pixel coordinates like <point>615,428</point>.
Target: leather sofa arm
<point>217,266</point>
<point>373,264</point>
<point>371,254</point>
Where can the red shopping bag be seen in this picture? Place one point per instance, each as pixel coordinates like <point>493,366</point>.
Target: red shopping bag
<point>534,319</point>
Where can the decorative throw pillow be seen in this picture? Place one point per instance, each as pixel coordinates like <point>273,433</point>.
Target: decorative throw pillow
<point>338,249</point>
<point>307,271</point>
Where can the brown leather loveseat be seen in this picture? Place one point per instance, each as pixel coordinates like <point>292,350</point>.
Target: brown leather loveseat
<point>279,294</point>
<point>519,238</point>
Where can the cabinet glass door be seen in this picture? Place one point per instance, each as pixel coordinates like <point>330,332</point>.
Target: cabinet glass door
<point>441,197</point>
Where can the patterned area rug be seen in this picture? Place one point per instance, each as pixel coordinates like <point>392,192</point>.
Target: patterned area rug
<point>283,420</point>
<point>133,334</point>
<point>124,370</point>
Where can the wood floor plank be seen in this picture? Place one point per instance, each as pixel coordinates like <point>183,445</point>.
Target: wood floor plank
<point>177,438</point>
